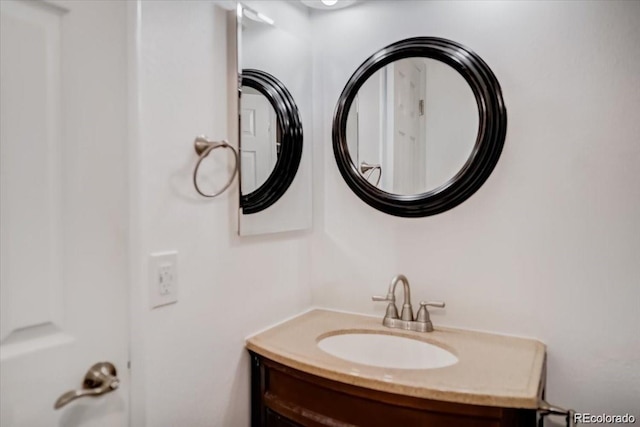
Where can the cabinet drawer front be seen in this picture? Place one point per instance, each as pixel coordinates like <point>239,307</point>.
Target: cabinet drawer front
<point>276,420</point>
<point>311,401</point>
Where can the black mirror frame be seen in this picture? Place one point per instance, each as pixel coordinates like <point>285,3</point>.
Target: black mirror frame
<point>488,146</point>
<point>288,160</point>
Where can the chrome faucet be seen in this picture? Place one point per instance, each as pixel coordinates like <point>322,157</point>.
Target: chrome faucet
<point>421,323</point>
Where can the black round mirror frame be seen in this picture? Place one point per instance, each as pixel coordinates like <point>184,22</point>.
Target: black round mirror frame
<point>488,146</point>
<point>288,160</point>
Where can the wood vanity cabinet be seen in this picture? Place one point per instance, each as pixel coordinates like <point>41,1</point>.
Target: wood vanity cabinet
<point>285,397</point>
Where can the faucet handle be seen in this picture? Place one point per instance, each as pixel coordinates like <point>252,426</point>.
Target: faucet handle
<point>439,304</point>
<point>423,314</point>
<point>392,310</point>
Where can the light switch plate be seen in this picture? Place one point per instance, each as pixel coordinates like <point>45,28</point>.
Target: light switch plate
<point>163,278</point>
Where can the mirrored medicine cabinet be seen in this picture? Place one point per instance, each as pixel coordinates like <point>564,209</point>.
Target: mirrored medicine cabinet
<point>274,96</point>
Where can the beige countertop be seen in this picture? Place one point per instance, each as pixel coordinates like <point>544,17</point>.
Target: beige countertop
<point>492,370</point>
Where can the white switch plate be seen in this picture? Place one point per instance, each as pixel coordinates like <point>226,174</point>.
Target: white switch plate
<point>163,278</point>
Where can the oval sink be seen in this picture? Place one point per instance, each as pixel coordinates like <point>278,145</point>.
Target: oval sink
<point>387,351</point>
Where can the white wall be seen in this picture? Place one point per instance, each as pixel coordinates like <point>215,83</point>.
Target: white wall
<point>549,246</point>
<point>189,358</point>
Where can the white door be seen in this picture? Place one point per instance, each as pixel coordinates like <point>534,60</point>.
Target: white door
<point>258,144</point>
<point>64,212</point>
<point>409,144</point>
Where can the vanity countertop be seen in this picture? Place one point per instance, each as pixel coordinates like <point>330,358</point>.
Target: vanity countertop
<point>493,370</point>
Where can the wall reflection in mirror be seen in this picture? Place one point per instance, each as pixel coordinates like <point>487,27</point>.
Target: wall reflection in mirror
<point>412,126</point>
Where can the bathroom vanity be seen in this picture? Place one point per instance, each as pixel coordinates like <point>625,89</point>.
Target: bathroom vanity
<point>495,381</point>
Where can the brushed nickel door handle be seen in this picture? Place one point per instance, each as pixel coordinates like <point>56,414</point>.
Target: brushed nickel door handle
<point>100,379</point>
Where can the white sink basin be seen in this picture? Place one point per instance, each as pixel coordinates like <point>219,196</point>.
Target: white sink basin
<point>387,351</point>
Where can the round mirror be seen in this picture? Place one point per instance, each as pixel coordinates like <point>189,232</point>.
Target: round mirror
<point>271,140</point>
<point>412,126</point>
<point>419,127</point>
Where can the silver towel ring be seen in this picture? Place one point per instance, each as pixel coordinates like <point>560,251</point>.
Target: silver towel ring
<point>366,167</point>
<point>203,147</point>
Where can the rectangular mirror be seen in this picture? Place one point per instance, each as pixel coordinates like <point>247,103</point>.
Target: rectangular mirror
<point>274,62</point>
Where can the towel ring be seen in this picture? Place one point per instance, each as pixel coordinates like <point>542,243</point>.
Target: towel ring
<point>366,167</point>
<point>203,147</point>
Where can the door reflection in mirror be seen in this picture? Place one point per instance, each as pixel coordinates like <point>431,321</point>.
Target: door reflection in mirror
<point>418,119</point>
<point>261,137</point>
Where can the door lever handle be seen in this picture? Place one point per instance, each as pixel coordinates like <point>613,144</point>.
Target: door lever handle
<point>101,378</point>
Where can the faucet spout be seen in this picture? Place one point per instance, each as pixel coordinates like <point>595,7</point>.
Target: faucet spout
<point>407,310</point>
<point>422,322</point>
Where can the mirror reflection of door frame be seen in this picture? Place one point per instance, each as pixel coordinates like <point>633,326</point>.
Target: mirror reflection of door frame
<point>406,86</point>
<point>259,132</point>
<point>288,161</point>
